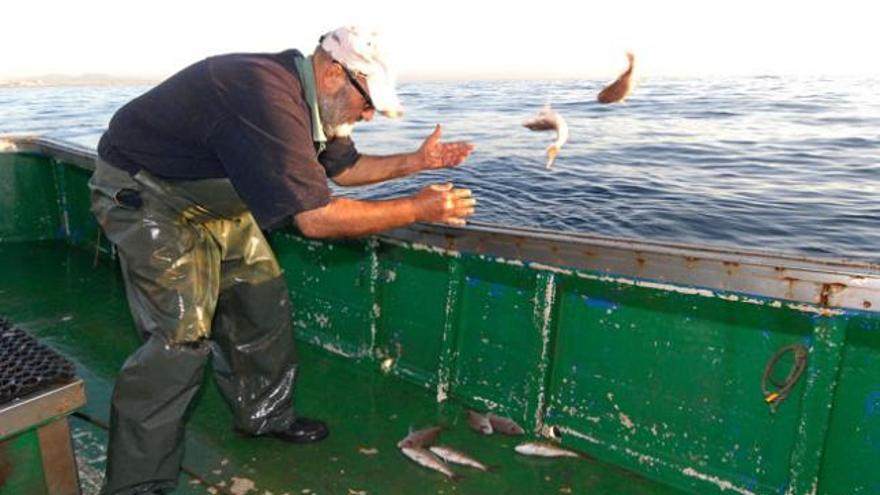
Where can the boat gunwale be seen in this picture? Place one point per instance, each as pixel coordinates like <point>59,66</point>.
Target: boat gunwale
<point>820,282</point>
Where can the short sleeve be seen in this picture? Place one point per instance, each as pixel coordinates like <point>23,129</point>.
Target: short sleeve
<point>264,141</point>
<point>339,155</point>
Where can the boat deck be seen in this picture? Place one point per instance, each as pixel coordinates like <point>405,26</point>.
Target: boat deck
<point>74,301</point>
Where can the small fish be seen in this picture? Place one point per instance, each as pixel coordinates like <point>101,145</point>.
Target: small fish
<point>426,459</point>
<point>621,87</point>
<point>548,119</point>
<point>544,449</point>
<point>453,456</point>
<point>505,425</point>
<point>420,438</point>
<point>479,422</point>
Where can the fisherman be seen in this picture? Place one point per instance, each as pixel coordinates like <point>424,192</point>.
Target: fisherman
<point>187,176</point>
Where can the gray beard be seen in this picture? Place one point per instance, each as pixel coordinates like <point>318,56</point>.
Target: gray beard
<point>332,120</point>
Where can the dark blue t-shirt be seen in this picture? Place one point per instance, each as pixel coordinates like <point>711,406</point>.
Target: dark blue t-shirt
<point>241,116</point>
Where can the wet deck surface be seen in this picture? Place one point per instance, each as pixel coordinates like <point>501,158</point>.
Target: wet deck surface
<point>78,307</point>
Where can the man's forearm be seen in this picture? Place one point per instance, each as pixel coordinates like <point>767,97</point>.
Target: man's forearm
<point>345,217</point>
<point>371,169</point>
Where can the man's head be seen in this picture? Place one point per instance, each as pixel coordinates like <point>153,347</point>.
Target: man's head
<point>354,79</point>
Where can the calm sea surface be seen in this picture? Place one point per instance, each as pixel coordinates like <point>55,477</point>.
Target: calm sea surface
<point>780,164</point>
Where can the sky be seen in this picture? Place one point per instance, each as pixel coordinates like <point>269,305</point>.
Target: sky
<point>452,39</point>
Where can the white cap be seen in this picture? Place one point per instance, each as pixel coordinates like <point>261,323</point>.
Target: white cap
<point>361,51</point>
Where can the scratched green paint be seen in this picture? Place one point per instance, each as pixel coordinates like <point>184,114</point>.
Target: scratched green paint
<point>410,323</point>
<point>28,200</point>
<point>498,347</point>
<point>661,379</point>
<point>74,200</point>
<point>852,450</point>
<point>330,291</point>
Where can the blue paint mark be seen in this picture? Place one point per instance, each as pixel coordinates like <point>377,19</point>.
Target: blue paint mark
<point>872,405</point>
<point>497,290</point>
<point>808,341</point>
<point>471,281</point>
<point>748,482</point>
<point>817,318</point>
<point>597,303</point>
<point>765,333</point>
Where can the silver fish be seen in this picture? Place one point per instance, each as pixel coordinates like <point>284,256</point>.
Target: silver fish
<point>544,449</point>
<point>454,456</point>
<point>479,422</point>
<point>426,459</point>
<point>505,425</point>
<point>420,438</point>
<point>546,120</point>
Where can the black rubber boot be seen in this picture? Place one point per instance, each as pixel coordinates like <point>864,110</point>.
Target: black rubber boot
<point>302,430</point>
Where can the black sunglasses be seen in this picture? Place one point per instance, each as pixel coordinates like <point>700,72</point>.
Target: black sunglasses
<point>368,102</point>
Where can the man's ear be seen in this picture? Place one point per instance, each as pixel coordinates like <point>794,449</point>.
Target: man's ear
<point>332,77</point>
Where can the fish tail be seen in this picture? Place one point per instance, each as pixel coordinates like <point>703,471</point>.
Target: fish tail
<point>552,151</point>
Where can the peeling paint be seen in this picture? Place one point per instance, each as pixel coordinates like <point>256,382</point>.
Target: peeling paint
<point>547,310</point>
<point>807,308</point>
<point>418,246</point>
<point>582,436</point>
<point>723,485</point>
<point>550,268</point>
<point>332,347</point>
<point>490,404</point>
<point>442,392</point>
<point>643,458</point>
<point>240,486</point>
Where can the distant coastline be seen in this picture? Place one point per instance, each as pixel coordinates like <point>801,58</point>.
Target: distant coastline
<point>54,80</point>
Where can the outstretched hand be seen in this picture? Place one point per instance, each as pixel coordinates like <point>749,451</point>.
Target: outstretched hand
<point>434,154</point>
<point>443,203</point>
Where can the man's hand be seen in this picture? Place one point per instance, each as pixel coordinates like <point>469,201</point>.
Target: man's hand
<point>444,204</point>
<point>434,154</point>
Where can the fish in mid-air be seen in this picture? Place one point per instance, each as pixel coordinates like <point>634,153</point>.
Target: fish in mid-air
<point>546,120</point>
<point>544,449</point>
<point>425,458</point>
<point>622,86</point>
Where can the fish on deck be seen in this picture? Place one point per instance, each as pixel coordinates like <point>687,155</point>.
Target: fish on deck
<point>618,90</point>
<point>420,438</point>
<point>546,120</point>
<point>425,458</point>
<point>479,422</point>
<point>504,425</point>
<point>455,456</point>
<point>544,449</point>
